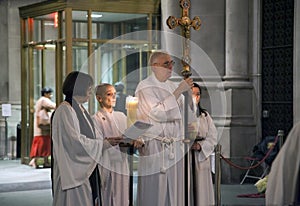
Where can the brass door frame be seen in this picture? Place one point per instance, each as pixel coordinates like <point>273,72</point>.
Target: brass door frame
<point>63,58</point>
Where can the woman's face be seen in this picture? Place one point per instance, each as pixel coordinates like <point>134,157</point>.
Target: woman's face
<point>196,94</point>
<point>108,98</point>
<point>84,99</point>
<point>48,95</point>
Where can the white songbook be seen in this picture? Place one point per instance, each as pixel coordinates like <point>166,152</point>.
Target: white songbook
<point>137,129</point>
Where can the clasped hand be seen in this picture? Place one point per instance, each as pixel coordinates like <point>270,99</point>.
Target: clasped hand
<point>196,146</point>
<point>138,143</point>
<point>114,140</point>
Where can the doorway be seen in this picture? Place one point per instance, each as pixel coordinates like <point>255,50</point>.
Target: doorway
<point>59,38</point>
<point>277,66</point>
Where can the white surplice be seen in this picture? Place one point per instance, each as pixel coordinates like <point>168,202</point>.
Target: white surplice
<point>203,178</point>
<point>283,179</point>
<point>75,158</point>
<point>114,164</point>
<point>161,181</point>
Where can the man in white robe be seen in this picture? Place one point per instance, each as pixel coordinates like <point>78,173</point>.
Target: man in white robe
<point>160,103</point>
<point>283,179</point>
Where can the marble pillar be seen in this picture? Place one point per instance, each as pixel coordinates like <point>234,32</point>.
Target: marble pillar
<point>240,130</point>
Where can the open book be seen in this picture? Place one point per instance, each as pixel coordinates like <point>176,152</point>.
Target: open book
<point>136,130</point>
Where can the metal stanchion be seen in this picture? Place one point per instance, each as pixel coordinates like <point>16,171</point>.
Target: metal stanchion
<point>280,136</point>
<point>218,175</point>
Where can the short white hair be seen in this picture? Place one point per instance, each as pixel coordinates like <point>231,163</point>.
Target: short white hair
<point>155,55</point>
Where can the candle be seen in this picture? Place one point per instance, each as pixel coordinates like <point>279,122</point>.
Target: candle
<point>131,106</point>
<point>192,130</point>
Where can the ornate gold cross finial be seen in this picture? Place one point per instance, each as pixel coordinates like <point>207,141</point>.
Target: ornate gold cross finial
<point>186,23</point>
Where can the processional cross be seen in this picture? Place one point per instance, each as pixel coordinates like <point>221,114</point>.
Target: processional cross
<point>186,23</point>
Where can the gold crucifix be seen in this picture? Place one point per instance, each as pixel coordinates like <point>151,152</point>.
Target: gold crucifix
<point>186,23</point>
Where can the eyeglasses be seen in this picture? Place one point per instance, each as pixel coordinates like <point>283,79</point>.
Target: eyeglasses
<point>167,64</point>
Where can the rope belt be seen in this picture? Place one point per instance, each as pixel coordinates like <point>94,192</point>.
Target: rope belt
<point>167,143</point>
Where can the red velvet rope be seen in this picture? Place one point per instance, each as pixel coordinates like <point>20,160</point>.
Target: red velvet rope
<point>253,166</point>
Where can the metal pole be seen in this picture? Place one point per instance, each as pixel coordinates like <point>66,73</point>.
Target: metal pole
<point>218,175</point>
<point>186,23</point>
<point>6,140</point>
<point>280,136</point>
<point>131,151</point>
<point>194,178</point>
<point>186,154</point>
<point>130,162</point>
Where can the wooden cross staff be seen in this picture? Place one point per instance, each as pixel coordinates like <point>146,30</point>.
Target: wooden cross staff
<point>186,23</point>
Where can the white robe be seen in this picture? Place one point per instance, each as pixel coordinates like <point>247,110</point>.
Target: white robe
<point>75,157</point>
<point>203,180</point>
<point>114,164</point>
<point>161,181</point>
<point>282,180</point>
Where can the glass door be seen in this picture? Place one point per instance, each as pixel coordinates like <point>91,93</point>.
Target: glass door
<point>41,59</point>
<point>106,45</point>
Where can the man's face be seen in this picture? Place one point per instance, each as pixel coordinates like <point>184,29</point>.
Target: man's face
<point>163,67</point>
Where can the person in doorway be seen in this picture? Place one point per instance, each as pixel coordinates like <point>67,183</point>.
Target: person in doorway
<point>41,145</point>
<point>202,149</point>
<point>160,103</point>
<point>77,146</point>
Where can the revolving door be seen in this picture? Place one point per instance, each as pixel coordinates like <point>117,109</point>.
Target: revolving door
<point>106,39</point>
